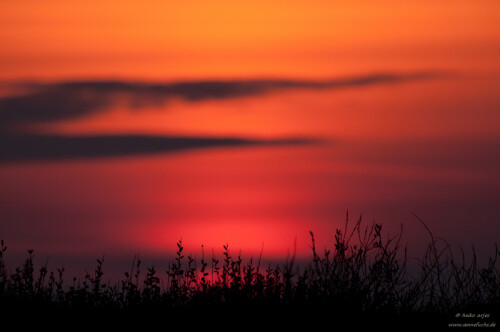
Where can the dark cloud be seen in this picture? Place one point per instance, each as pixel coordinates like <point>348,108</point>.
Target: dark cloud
<point>60,101</point>
<point>44,103</point>
<point>16,148</point>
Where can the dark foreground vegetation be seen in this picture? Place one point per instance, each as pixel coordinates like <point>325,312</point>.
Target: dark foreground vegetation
<point>363,280</point>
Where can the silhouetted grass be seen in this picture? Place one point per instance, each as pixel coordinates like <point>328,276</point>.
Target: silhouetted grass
<point>362,279</point>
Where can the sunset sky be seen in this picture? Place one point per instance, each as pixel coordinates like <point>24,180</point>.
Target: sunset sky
<point>128,125</point>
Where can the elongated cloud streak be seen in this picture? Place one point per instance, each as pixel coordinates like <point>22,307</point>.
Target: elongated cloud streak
<point>16,148</point>
<point>60,101</point>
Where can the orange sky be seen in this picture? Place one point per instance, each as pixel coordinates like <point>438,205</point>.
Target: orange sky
<point>155,39</point>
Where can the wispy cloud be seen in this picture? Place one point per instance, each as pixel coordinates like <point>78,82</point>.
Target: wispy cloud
<point>67,100</point>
